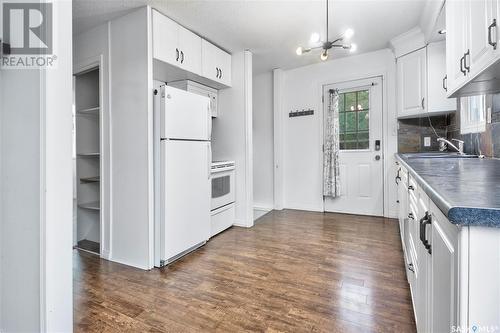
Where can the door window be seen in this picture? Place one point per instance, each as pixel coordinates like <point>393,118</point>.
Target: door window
<point>354,121</point>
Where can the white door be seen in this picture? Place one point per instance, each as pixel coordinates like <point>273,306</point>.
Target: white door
<point>456,43</point>
<point>190,48</point>
<point>185,195</point>
<point>361,148</point>
<point>185,115</point>
<point>436,79</point>
<point>480,13</point>
<point>411,71</point>
<point>165,39</point>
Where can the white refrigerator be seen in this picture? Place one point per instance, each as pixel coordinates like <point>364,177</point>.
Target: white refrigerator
<point>182,177</point>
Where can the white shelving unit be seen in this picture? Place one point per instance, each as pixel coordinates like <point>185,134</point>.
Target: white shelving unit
<point>88,161</point>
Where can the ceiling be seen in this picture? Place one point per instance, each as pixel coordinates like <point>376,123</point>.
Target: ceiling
<point>271,29</point>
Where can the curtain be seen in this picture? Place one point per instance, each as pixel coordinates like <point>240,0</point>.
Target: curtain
<point>331,178</point>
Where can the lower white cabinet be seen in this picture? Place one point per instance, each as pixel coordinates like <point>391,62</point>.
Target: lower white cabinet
<point>453,271</point>
<point>444,275</point>
<point>430,245</point>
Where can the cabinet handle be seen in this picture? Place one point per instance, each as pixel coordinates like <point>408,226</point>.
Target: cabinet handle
<point>410,268</point>
<point>462,66</point>
<point>411,188</point>
<point>410,216</point>
<point>465,60</point>
<point>221,74</point>
<point>445,82</point>
<point>491,26</point>
<point>424,221</point>
<point>423,100</point>
<point>182,57</point>
<point>217,72</point>
<point>176,54</point>
<point>397,176</point>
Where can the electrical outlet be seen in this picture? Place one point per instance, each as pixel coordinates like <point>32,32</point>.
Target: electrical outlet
<point>427,141</point>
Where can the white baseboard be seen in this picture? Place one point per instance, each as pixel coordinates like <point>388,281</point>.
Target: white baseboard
<point>241,223</point>
<point>306,207</point>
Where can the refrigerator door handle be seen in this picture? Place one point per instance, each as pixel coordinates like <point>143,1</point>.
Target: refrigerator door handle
<point>209,163</point>
<point>209,115</point>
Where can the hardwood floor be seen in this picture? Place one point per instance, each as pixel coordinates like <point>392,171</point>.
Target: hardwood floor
<point>293,272</point>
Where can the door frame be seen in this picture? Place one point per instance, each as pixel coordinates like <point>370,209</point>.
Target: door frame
<point>322,102</point>
<point>89,64</point>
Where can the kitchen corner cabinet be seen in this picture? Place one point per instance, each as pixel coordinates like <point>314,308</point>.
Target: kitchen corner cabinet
<point>422,83</point>
<point>216,64</point>
<point>472,38</point>
<point>437,80</point>
<point>411,80</point>
<point>178,46</point>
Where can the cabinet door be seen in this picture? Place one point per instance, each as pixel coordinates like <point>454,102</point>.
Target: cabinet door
<point>216,64</point>
<point>224,62</point>
<point>412,83</point>
<point>444,274</point>
<point>436,81</point>
<point>209,68</point>
<point>480,16</point>
<point>165,39</point>
<point>456,43</point>
<point>190,48</point>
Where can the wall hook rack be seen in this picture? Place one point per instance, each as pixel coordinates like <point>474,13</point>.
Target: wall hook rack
<point>303,112</point>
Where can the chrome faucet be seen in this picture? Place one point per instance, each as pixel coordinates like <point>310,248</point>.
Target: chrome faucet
<point>443,144</point>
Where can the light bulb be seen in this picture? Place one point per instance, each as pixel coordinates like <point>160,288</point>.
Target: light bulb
<point>299,50</point>
<point>348,33</point>
<point>314,38</point>
<point>353,48</point>
<point>324,55</point>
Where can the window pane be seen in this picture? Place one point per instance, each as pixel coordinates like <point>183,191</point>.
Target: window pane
<point>342,122</point>
<point>341,102</point>
<point>350,101</point>
<point>363,100</point>
<point>354,121</point>
<point>350,145</point>
<point>363,136</point>
<point>363,120</point>
<point>363,145</point>
<point>350,123</point>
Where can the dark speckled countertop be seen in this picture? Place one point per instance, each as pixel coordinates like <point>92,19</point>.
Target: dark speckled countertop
<point>467,190</point>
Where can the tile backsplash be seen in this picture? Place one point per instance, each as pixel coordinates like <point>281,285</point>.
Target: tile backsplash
<point>411,132</point>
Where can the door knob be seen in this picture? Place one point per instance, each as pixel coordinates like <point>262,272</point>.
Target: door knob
<point>377,157</point>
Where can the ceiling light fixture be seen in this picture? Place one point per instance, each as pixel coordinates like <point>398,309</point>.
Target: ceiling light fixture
<point>325,46</point>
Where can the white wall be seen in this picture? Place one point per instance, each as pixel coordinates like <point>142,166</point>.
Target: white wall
<point>35,196</point>
<point>131,94</point>
<point>127,203</point>
<point>232,133</point>
<point>263,177</point>
<point>302,142</point>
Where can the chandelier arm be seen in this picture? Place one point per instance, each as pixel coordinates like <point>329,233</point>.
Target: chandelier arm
<point>327,20</point>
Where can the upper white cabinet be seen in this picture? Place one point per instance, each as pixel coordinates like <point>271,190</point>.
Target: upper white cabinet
<point>177,46</point>
<point>422,82</point>
<point>472,43</point>
<point>216,64</point>
<point>190,51</point>
<point>165,39</point>
<point>411,78</point>
<point>437,80</point>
